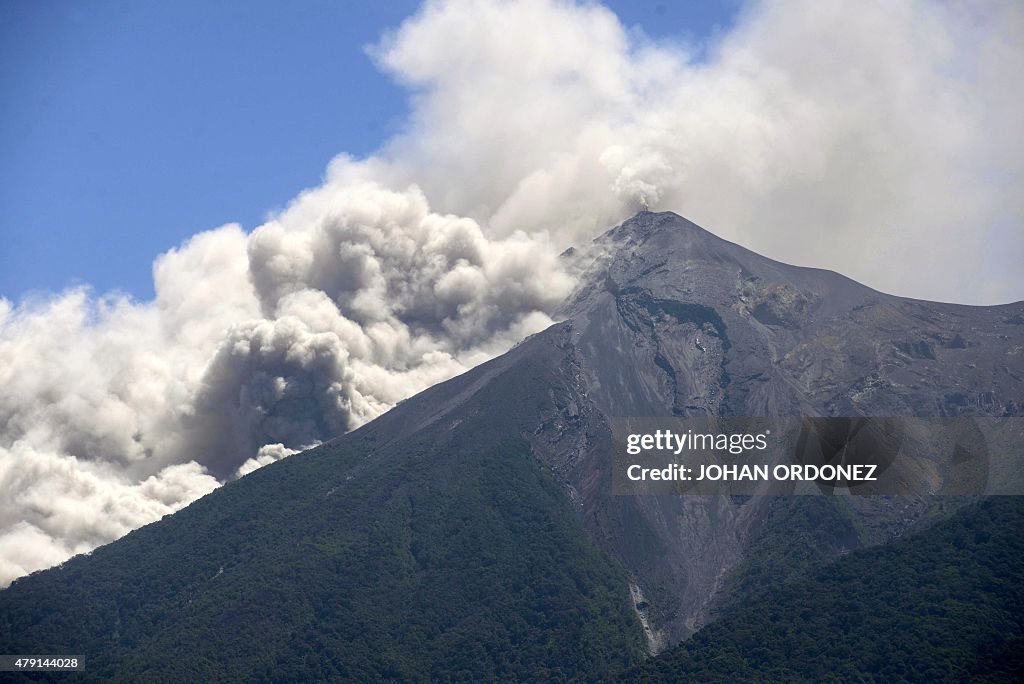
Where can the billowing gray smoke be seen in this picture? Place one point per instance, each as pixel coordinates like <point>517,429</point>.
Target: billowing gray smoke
<point>114,413</point>
<point>847,136</point>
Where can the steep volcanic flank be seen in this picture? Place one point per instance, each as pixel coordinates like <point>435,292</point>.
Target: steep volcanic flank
<point>716,329</point>
<point>432,532</point>
<point>672,320</point>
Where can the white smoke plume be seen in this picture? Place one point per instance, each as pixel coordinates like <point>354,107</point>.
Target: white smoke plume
<point>878,139</point>
<point>114,413</point>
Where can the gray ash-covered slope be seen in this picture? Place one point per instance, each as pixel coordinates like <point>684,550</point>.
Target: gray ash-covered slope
<point>717,329</point>
<point>672,320</point>
<point>471,532</point>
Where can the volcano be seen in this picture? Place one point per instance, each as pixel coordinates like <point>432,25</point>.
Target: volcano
<point>471,533</point>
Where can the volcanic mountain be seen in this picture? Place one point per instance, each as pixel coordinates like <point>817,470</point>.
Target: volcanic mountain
<point>471,533</point>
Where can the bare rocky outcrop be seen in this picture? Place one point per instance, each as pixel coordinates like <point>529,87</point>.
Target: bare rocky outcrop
<point>671,320</point>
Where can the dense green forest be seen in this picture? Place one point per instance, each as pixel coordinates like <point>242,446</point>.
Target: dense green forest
<point>447,555</point>
<point>474,569</point>
<point>946,604</point>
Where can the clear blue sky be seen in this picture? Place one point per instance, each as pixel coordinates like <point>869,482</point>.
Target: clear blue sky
<point>128,125</point>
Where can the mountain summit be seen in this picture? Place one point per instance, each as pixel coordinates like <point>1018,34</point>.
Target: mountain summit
<point>471,532</point>
<point>779,339</point>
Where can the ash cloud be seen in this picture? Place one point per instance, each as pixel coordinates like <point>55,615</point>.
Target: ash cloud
<point>115,413</point>
<point>854,136</point>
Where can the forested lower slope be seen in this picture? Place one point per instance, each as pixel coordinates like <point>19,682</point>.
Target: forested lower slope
<point>946,604</point>
<point>449,553</point>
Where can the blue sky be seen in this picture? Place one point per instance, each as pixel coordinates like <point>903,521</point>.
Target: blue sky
<point>126,127</point>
